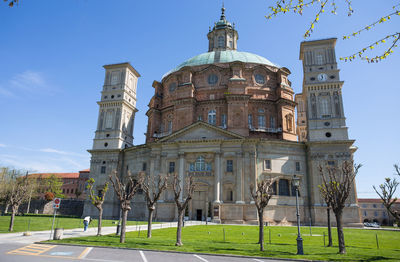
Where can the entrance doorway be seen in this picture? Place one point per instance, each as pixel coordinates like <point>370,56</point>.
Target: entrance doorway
<point>199,214</point>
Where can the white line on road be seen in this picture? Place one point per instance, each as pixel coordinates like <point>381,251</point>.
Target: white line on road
<point>202,259</point>
<point>142,255</point>
<point>257,260</point>
<point>85,252</point>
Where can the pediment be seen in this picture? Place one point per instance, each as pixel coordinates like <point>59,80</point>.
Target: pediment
<point>201,131</point>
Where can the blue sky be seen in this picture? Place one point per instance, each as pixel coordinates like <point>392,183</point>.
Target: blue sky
<point>52,53</point>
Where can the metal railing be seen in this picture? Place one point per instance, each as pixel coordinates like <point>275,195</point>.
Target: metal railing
<point>266,129</point>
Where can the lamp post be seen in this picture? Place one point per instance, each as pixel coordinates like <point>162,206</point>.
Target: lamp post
<point>296,183</point>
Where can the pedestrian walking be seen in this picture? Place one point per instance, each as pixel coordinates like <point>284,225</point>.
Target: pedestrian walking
<point>86,222</point>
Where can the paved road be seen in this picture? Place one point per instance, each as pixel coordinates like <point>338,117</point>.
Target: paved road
<point>47,253</point>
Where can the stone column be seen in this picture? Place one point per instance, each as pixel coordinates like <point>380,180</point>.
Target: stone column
<point>217,178</point>
<point>181,172</point>
<point>239,178</point>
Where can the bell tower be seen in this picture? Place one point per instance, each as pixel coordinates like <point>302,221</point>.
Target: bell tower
<point>322,92</point>
<point>322,124</point>
<point>117,108</point>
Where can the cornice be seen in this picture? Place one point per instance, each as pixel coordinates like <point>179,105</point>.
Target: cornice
<point>117,103</point>
<point>335,142</point>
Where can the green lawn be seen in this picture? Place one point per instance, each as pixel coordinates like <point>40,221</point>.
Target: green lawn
<point>241,240</point>
<point>37,223</point>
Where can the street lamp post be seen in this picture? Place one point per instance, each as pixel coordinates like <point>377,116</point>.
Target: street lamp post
<point>296,183</point>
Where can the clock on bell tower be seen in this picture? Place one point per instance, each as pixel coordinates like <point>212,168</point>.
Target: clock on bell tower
<point>322,93</point>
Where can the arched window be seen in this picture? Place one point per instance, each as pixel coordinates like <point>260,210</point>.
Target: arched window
<point>212,117</point>
<point>319,59</point>
<point>325,110</point>
<point>272,122</point>
<point>284,187</point>
<point>115,77</point>
<point>170,126</point>
<point>223,121</point>
<point>261,118</point>
<point>250,120</point>
<point>109,119</point>
<point>221,41</point>
<point>289,122</point>
<point>200,165</point>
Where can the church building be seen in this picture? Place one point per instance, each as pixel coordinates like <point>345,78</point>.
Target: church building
<point>227,118</point>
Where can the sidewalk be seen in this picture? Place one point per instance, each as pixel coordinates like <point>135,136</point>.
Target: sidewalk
<point>37,236</point>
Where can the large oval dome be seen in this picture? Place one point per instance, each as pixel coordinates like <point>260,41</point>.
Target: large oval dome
<point>225,56</point>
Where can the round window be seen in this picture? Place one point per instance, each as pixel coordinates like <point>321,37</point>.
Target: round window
<point>327,124</point>
<point>212,79</point>
<point>105,144</point>
<point>328,134</point>
<point>260,79</point>
<point>172,87</point>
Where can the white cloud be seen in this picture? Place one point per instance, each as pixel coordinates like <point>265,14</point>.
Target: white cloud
<point>43,163</point>
<point>28,80</point>
<point>22,83</point>
<point>56,151</point>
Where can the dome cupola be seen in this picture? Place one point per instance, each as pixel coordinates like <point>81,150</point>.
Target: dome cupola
<point>223,36</point>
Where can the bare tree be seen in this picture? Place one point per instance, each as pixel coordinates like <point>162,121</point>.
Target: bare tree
<point>153,187</point>
<point>386,194</point>
<point>181,202</point>
<point>97,200</point>
<point>125,192</point>
<point>15,192</point>
<point>261,195</point>
<point>335,189</point>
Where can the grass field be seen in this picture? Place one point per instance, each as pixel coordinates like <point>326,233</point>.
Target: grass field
<point>242,240</point>
<point>36,223</point>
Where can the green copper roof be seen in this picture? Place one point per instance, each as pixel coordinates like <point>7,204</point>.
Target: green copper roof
<point>225,56</point>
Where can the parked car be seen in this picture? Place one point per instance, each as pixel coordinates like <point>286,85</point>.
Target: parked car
<point>374,224</point>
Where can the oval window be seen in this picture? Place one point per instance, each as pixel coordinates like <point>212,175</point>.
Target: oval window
<point>212,79</point>
<point>259,79</point>
<point>172,87</point>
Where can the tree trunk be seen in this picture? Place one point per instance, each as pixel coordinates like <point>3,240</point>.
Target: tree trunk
<point>100,220</point>
<point>149,221</point>
<point>329,227</point>
<point>179,228</point>
<point>342,247</point>
<point>29,202</point>
<point>6,209</point>
<point>261,231</point>
<point>13,211</point>
<point>123,225</point>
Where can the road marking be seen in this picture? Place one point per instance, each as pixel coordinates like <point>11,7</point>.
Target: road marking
<point>32,250</point>
<point>85,252</point>
<point>202,259</point>
<point>257,260</point>
<point>142,255</point>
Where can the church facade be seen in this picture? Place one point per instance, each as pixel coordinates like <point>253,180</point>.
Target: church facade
<point>227,118</point>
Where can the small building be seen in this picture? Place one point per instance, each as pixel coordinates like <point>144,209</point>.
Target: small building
<point>74,184</point>
<point>373,210</point>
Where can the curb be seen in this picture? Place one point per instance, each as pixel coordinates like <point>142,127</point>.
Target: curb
<point>183,252</point>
